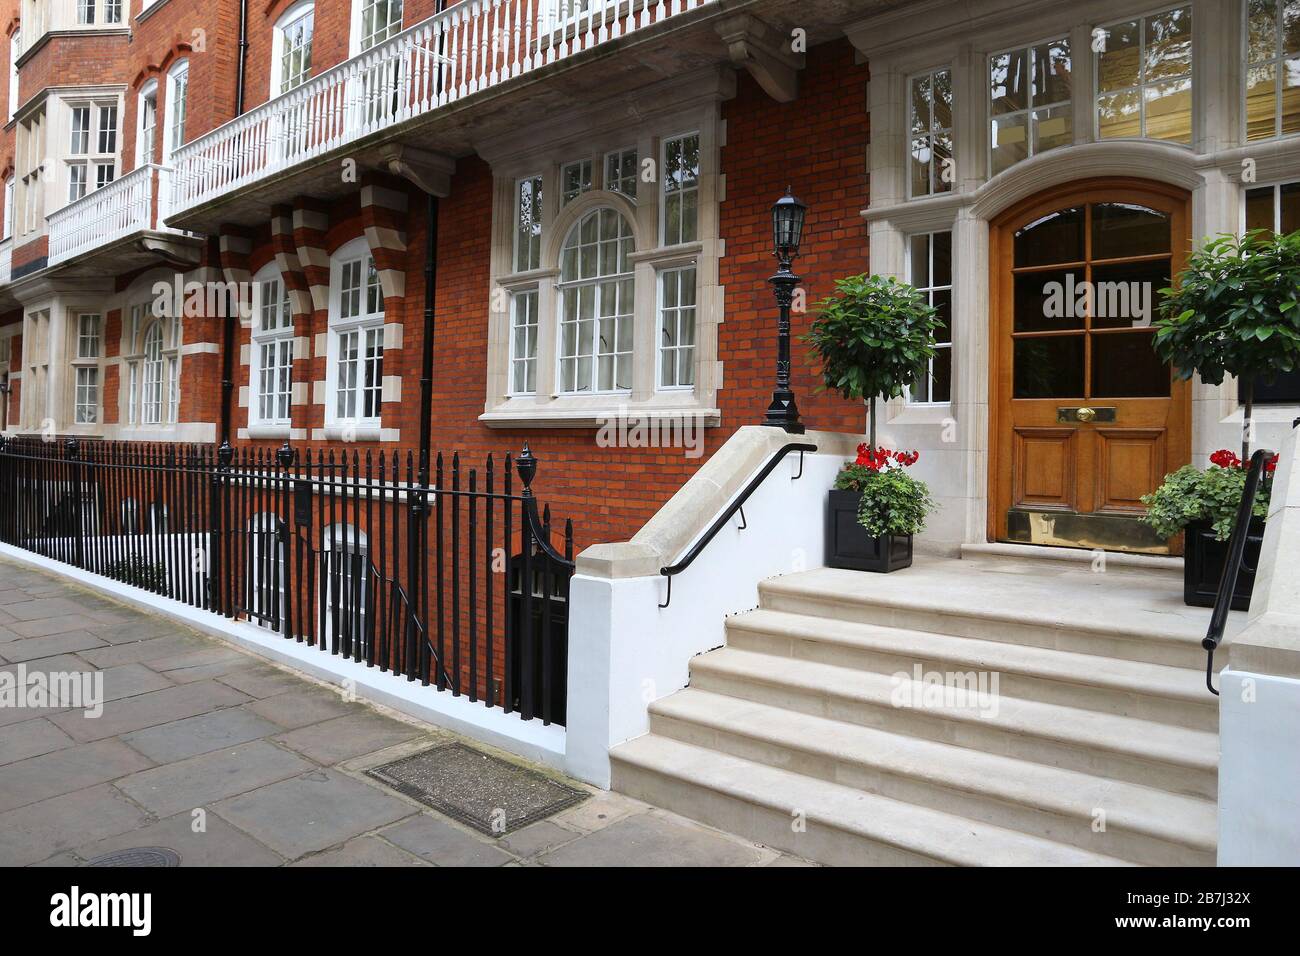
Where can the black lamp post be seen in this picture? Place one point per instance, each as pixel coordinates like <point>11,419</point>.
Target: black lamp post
<point>787,230</point>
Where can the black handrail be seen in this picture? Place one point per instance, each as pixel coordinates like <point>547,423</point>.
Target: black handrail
<point>1232,566</point>
<point>736,505</point>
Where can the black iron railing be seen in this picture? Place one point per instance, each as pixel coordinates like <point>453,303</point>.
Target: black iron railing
<point>1232,565</point>
<point>737,505</point>
<point>456,583</point>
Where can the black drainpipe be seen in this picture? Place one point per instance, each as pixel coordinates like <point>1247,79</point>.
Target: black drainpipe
<point>243,57</point>
<point>430,282</point>
<point>227,342</point>
<point>426,344</point>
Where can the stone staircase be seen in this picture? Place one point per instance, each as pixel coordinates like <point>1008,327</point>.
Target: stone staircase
<point>1100,746</point>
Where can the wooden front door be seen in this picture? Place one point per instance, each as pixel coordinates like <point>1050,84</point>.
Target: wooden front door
<point>1084,418</point>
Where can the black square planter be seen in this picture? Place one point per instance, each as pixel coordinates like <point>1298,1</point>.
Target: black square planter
<point>1203,565</point>
<point>849,546</point>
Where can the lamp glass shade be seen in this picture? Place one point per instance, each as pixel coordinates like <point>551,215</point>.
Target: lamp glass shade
<point>787,224</point>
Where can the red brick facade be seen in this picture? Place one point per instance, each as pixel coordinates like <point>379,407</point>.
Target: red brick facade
<point>817,144</point>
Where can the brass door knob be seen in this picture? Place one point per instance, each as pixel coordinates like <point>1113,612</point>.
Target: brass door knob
<point>1085,414</point>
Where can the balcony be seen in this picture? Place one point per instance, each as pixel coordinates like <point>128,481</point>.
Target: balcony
<point>418,86</point>
<point>108,218</point>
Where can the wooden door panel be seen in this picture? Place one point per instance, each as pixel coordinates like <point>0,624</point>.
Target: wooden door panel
<point>1045,465</point>
<point>1038,460</point>
<point>1130,464</point>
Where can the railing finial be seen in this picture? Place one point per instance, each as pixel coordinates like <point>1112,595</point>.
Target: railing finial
<point>526,465</point>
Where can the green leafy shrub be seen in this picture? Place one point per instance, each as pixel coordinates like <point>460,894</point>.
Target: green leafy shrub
<point>893,502</point>
<point>139,572</point>
<point>1213,495</point>
<point>874,337</point>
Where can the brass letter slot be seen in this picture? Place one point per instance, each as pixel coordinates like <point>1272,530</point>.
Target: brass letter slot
<point>1086,413</point>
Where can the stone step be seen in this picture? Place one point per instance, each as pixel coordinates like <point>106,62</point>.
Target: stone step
<point>1128,688</point>
<point>1123,613</point>
<point>1154,754</point>
<point>818,819</point>
<point>1096,814</point>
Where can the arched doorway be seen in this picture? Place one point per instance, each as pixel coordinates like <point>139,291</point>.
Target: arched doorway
<point>1084,419</point>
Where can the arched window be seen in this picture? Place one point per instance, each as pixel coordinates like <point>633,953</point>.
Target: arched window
<point>345,586</point>
<point>291,48</point>
<point>596,303</point>
<point>177,106</point>
<point>146,123</point>
<point>151,393</point>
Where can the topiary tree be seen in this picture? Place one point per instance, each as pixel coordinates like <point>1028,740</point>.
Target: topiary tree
<point>1233,312</point>
<point>874,337</point>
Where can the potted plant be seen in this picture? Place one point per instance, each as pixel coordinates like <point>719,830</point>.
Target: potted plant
<point>1204,505</point>
<point>1233,312</point>
<point>874,337</point>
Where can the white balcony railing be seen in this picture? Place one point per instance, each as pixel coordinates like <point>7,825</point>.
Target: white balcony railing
<point>472,46</point>
<point>109,213</point>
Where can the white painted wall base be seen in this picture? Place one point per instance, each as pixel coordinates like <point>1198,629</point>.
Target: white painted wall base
<point>626,652</point>
<point>527,738</point>
<point>1259,770</point>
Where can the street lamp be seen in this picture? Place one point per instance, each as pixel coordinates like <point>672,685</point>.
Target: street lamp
<point>787,229</point>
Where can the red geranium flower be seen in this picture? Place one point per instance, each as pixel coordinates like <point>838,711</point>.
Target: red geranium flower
<point>1225,459</point>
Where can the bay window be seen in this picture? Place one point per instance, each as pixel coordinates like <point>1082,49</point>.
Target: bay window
<point>151,360</point>
<point>86,369</point>
<point>528,223</point>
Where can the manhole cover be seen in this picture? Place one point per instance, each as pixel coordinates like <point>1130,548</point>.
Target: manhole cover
<point>487,793</point>
<point>139,856</point>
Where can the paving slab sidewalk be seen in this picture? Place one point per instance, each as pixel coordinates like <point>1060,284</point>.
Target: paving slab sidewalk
<point>229,760</point>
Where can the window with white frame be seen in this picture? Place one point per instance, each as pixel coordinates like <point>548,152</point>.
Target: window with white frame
<point>30,150</point>
<point>1276,209</point>
<point>177,106</point>
<point>85,12</point>
<point>1143,72</point>
<point>92,148</point>
<point>147,117</point>
<point>9,209</point>
<point>272,340</point>
<point>377,21</point>
<point>1272,68</point>
<point>621,172</point>
<point>151,355</point>
<point>930,151</point>
<point>677,327</point>
<point>1029,91</point>
<point>575,179</point>
<point>291,48</point>
<point>523,343</point>
<point>112,11</point>
<point>605,305</point>
<point>528,223</point>
<point>929,261</point>
<point>356,320</point>
<point>596,301</point>
<point>85,365</point>
<point>681,178</point>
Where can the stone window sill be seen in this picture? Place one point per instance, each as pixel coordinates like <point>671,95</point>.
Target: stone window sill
<point>597,411</point>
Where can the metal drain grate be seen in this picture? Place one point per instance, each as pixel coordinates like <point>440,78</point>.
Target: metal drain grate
<point>139,856</point>
<point>491,795</point>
